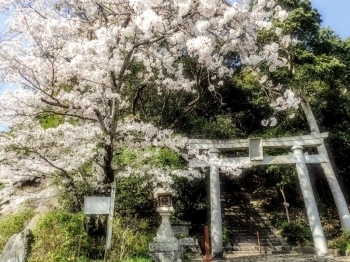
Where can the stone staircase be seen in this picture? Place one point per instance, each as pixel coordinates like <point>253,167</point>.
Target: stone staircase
<point>245,229</point>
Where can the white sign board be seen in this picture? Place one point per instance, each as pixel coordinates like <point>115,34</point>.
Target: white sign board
<point>96,205</point>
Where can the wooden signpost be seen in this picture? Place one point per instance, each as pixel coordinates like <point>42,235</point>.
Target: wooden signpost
<point>95,205</point>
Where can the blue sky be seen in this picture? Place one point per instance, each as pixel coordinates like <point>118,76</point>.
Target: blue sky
<point>335,14</point>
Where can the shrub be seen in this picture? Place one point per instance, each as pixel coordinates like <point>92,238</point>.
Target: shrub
<point>138,259</point>
<point>191,203</point>
<point>134,198</point>
<point>71,197</point>
<point>130,240</point>
<point>342,242</point>
<point>297,233</point>
<point>13,224</point>
<point>59,237</point>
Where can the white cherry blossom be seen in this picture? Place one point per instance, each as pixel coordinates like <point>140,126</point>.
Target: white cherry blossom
<point>72,61</point>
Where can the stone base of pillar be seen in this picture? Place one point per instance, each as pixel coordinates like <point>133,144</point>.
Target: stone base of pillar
<point>217,255</point>
<point>326,258</point>
<point>165,249</point>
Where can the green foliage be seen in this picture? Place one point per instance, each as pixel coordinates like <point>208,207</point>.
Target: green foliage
<point>342,242</point>
<point>163,158</point>
<point>303,21</point>
<point>62,236</point>
<point>51,121</point>
<point>125,157</point>
<point>130,240</point>
<point>59,237</point>
<point>71,197</point>
<point>134,194</point>
<point>191,203</point>
<point>137,259</point>
<point>297,233</point>
<point>284,176</point>
<point>2,186</point>
<point>217,127</point>
<point>72,193</point>
<point>225,234</point>
<point>134,198</point>
<point>13,224</point>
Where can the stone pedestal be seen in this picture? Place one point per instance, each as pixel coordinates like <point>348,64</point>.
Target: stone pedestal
<point>165,250</point>
<point>190,247</point>
<point>181,229</point>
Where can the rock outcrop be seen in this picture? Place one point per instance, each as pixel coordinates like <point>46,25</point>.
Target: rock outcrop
<point>17,247</point>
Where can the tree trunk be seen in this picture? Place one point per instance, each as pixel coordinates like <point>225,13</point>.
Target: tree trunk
<point>107,165</point>
<point>285,204</point>
<point>338,196</point>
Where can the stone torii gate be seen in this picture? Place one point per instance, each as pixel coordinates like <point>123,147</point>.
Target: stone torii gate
<point>256,157</point>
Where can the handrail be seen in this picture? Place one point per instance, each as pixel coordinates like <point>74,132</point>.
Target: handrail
<point>206,241</point>
<point>257,232</point>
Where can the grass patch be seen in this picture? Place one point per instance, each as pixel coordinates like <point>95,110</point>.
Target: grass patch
<point>137,259</point>
<point>130,240</point>
<point>59,236</point>
<point>342,242</point>
<point>13,224</point>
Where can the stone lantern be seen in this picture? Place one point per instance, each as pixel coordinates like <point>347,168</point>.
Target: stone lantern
<point>165,209</point>
<point>165,246</point>
<point>165,198</point>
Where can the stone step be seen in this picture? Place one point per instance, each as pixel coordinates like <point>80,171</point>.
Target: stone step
<point>250,229</point>
<point>244,232</point>
<point>248,225</point>
<point>239,253</point>
<point>253,248</point>
<point>258,256</point>
<point>254,237</point>
<point>265,242</point>
<point>255,240</point>
<point>242,243</point>
<point>247,244</point>
<point>242,220</point>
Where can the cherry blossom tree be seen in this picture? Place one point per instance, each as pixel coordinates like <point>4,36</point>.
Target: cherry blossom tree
<point>75,61</point>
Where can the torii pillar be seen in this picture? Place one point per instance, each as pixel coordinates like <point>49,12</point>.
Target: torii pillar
<point>337,193</point>
<point>310,203</point>
<point>215,207</point>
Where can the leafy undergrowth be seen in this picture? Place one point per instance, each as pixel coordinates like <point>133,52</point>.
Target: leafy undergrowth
<point>13,224</point>
<point>138,259</point>
<point>130,239</point>
<point>342,242</point>
<point>297,232</point>
<point>277,189</point>
<point>61,236</point>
